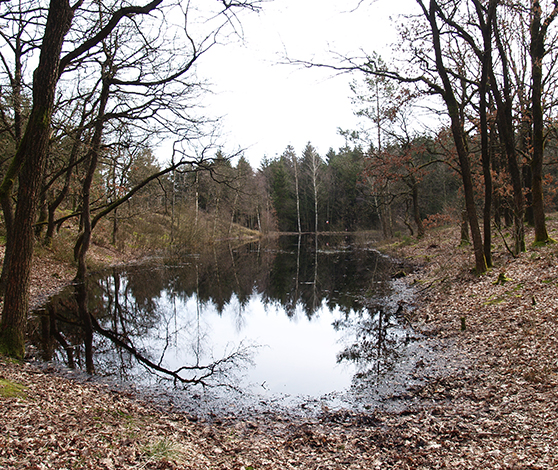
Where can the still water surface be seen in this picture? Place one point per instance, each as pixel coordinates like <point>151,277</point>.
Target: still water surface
<point>280,317</point>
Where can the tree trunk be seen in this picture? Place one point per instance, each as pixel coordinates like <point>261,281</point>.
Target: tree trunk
<point>29,162</point>
<point>6,194</point>
<point>297,192</point>
<point>527,174</point>
<point>82,245</point>
<point>459,139</point>
<point>8,211</point>
<point>485,142</point>
<point>42,218</point>
<point>538,33</point>
<point>506,130</point>
<point>406,221</point>
<point>416,210</point>
<point>465,240</point>
<point>314,176</point>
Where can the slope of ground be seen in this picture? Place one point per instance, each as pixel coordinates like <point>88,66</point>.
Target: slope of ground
<point>498,412</point>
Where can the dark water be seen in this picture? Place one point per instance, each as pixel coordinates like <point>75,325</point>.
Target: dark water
<point>277,320</point>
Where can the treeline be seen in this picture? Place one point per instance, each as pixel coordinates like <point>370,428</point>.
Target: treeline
<point>338,192</point>
<point>404,188</point>
<point>307,192</point>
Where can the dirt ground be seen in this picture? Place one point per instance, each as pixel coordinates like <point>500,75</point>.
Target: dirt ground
<point>498,412</point>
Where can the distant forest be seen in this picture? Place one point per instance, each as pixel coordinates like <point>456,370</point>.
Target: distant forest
<point>400,191</point>
<point>336,192</point>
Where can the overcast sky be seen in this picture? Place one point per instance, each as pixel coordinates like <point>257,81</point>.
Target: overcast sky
<point>267,106</point>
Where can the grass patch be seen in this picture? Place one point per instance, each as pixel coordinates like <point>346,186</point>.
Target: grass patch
<point>164,450</point>
<point>9,389</point>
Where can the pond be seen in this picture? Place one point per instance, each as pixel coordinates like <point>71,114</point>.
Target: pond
<point>284,320</point>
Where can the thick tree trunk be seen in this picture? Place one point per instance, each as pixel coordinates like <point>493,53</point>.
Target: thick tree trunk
<point>478,248</point>
<point>459,139</point>
<point>8,211</point>
<point>30,158</point>
<point>538,33</point>
<point>43,214</point>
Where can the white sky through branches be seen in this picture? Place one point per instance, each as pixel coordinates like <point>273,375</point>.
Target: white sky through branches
<point>267,104</point>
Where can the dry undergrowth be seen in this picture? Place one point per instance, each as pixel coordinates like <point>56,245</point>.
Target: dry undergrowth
<point>499,412</point>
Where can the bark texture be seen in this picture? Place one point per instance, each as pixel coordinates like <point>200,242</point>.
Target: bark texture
<point>29,162</point>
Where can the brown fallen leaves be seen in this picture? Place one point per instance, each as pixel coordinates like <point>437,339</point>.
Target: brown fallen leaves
<point>500,411</point>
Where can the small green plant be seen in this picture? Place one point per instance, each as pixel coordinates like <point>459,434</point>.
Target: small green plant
<point>9,389</point>
<point>502,279</point>
<point>163,449</point>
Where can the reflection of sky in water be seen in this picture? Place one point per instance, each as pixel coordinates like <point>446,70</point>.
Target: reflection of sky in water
<point>297,355</point>
<point>303,309</point>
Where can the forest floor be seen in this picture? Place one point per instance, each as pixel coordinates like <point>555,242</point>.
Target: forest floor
<point>498,412</point>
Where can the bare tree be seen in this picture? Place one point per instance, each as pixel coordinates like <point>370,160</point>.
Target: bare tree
<point>447,91</point>
<point>28,162</point>
<point>313,163</point>
<point>539,29</point>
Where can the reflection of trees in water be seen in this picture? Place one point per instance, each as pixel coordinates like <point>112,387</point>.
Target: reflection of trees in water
<point>283,272</point>
<point>129,331</point>
<point>334,273</point>
<point>139,303</point>
<point>377,340</point>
